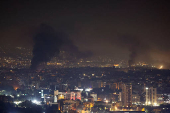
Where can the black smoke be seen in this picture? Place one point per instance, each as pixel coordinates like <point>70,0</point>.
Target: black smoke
<point>74,50</point>
<point>136,47</point>
<point>48,43</point>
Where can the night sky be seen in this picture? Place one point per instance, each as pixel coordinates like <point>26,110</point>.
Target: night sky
<point>115,28</point>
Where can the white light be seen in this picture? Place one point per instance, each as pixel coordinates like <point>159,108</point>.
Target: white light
<point>88,89</point>
<point>146,87</point>
<point>36,102</point>
<point>86,100</point>
<point>17,102</point>
<point>155,104</point>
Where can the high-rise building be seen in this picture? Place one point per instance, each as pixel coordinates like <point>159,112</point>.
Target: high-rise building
<point>151,96</point>
<point>42,95</point>
<point>55,95</point>
<point>135,99</point>
<point>126,95</point>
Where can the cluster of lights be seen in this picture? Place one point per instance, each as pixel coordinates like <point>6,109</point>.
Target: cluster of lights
<point>36,102</point>
<point>17,102</point>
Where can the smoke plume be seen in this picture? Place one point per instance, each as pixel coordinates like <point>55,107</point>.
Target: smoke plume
<point>48,44</point>
<point>136,48</point>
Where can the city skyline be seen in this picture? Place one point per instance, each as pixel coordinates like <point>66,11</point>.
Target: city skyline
<point>84,56</point>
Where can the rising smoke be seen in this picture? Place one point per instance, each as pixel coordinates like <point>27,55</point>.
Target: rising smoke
<point>48,43</point>
<point>136,47</point>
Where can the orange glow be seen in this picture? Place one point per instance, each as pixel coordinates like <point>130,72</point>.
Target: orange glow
<point>116,65</point>
<point>144,64</point>
<point>161,67</point>
<point>15,88</point>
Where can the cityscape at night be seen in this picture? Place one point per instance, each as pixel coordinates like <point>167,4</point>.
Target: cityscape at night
<point>85,56</point>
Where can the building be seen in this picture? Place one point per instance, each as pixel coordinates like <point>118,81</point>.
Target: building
<point>103,84</point>
<point>6,99</point>
<point>126,95</point>
<point>94,96</point>
<point>114,86</point>
<point>55,95</point>
<point>151,96</point>
<point>73,95</point>
<point>135,99</point>
<point>160,99</point>
<point>119,85</point>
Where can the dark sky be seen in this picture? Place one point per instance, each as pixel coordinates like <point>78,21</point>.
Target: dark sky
<point>109,27</point>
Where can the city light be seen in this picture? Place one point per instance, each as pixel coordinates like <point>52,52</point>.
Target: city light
<point>85,57</point>
<point>88,89</point>
<point>17,102</point>
<point>149,102</point>
<point>155,104</point>
<point>36,102</point>
<point>161,67</point>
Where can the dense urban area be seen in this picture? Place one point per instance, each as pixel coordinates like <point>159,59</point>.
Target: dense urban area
<point>81,86</point>
<point>85,56</point>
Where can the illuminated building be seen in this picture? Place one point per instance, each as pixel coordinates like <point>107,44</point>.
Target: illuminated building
<point>135,99</point>
<point>42,95</point>
<point>151,96</point>
<point>160,98</point>
<point>55,95</point>
<point>94,96</point>
<point>73,95</point>
<point>126,95</point>
<point>61,96</point>
<point>103,84</point>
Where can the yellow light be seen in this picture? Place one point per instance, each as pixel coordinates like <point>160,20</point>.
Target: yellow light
<point>149,102</point>
<point>155,104</point>
<point>161,67</point>
<point>115,108</point>
<point>116,65</point>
